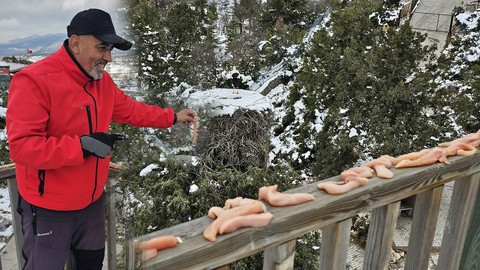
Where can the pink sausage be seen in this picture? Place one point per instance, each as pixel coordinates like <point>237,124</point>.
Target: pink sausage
<point>215,211</point>
<point>211,231</point>
<point>432,156</point>
<point>275,198</point>
<point>337,188</point>
<point>252,220</point>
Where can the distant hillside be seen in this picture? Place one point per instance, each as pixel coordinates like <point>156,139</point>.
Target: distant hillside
<point>40,45</point>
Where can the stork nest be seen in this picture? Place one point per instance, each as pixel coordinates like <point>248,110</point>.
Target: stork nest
<point>240,140</point>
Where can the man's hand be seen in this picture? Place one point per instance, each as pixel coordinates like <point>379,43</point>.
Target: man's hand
<point>99,144</point>
<point>186,116</point>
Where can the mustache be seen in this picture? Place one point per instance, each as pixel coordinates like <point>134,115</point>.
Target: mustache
<point>102,62</point>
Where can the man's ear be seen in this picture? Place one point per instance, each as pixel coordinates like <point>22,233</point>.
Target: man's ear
<point>74,43</point>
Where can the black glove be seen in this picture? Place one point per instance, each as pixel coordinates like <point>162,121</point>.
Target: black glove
<point>99,144</point>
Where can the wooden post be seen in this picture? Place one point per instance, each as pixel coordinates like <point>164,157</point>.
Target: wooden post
<point>380,236</point>
<point>17,220</point>
<point>111,225</point>
<point>471,249</point>
<point>334,249</point>
<point>461,210</point>
<point>422,233</point>
<point>280,257</point>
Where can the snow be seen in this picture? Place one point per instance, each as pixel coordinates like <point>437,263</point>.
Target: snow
<point>225,101</point>
<point>6,227</point>
<point>148,169</point>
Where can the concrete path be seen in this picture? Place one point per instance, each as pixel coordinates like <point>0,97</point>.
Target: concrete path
<point>433,17</point>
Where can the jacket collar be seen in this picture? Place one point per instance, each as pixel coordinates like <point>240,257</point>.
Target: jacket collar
<point>74,69</point>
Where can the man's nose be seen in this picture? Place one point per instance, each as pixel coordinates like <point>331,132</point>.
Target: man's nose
<point>107,56</point>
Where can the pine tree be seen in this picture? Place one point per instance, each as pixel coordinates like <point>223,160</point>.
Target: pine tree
<point>358,94</point>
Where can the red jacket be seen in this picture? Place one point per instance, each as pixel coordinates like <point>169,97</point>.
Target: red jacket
<point>51,104</point>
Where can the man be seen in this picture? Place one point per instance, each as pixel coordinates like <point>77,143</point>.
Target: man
<point>58,115</point>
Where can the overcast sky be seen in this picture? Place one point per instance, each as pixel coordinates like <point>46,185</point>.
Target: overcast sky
<point>23,18</point>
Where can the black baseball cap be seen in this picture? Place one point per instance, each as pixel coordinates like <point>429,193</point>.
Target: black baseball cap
<point>98,23</point>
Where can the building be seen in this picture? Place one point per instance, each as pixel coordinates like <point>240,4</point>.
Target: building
<point>7,70</point>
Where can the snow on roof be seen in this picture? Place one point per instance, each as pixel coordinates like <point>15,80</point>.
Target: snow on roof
<point>225,101</point>
<point>13,66</point>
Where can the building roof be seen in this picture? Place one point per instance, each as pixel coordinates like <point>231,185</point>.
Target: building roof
<point>13,66</point>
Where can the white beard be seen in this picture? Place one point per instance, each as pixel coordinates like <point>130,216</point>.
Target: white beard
<point>97,71</point>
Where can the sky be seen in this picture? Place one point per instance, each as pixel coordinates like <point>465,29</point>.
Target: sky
<point>23,18</point>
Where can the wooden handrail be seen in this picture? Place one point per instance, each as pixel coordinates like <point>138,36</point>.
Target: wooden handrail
<point>291,222</point>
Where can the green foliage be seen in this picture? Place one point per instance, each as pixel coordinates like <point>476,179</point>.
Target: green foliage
<point>459,72</point>
<point>13,59</point>
<point>352,83</point>
<point>307,253</point>
<point>173,43</point>
<point>359,231</point>
<point>289,12</point>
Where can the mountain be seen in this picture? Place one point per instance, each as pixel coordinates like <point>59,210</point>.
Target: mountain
<point>40,45</point>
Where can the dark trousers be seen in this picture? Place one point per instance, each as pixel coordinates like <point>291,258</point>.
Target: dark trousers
<point>49,236</point>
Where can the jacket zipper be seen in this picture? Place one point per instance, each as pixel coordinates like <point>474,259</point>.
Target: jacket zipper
<point>91,130</point>
<point>41,185</point>
<point>89,118</point>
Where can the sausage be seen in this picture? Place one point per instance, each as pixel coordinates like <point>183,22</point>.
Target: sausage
<point>238,201</point>
<point>160,242</point>
<point>348,174</point>
<point>413,155</point>
<point>432,156</point>
<point>472,139</point>
<point>210,233</point>
<point>461,149</point>
<point>337,188</point>
<point>275,198</point>
<point>214,212</point>
<point>253,220</point>
<point>381,165</point>
<point>283,199</point>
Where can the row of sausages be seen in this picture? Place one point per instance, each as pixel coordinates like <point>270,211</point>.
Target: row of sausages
<point>244,212</point>
<point>358,176</point>
<point>237,213</point>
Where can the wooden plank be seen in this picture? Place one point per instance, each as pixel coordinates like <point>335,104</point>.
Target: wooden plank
<point>462,204</point>
<point>7,173</point>
<point>111,225</point>
<point>16,219</point>
<point>291,222</point>
<point>471,250</point>
<point>335,241</point>
<point>380,236</point>
<point>280,257</point>
<point>425,215</point>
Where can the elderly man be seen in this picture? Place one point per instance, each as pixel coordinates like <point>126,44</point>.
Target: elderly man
<point>58,116</point>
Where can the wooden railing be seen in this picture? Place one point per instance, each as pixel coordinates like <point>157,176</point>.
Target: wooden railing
<point>332,215</point>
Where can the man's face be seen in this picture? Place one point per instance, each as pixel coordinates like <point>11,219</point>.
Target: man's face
<point>93,55</point>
